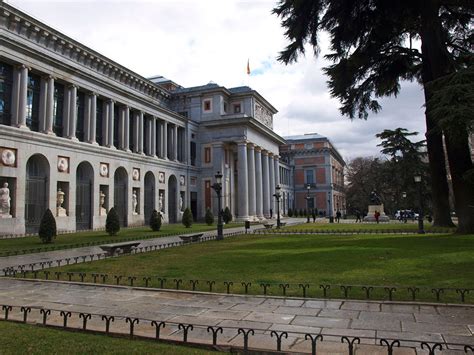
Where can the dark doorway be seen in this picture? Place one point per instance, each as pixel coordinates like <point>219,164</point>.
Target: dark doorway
<point>149,205</point>
<point>194,205</point>
<point>84,184</point>
<point>36,194</point>
<point>172,196</point>
<point>120,195</point>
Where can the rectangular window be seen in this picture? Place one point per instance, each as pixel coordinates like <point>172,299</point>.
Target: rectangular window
<point>6,79</point>
<point>80,102</point>
<point>58,109</point>
<point>225,107</point>
<point>32,102</point>
<point>207,105</point>
<point>309,175</point>
<point>116,126</point>
<point>131,129</point>
<point>99,112</point>
<point>237,108</point>
<point>207,155</point>
<point>193,153</point>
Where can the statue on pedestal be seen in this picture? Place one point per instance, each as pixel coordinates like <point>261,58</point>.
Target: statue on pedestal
<point>102,209</point>
<point>5,201</point>
<point>60,211</point>
<point>134,203</point>
<point>375,198</point>
<point>160,202</point>
<point>180,203</point>
<point>376,211</point>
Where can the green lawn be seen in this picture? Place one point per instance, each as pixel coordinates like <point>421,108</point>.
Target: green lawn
<point>64,241</point>
<point>18,338</point>
<point>383,260</point>
<point>410,226</point>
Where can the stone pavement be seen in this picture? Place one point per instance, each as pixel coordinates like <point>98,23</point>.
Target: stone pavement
<point>411,323</point>
<point>13,261</point>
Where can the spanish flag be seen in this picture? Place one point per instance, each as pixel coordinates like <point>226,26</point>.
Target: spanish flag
<point>248,67</point>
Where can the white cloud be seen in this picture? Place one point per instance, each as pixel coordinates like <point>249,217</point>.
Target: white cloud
<point>194,42</point>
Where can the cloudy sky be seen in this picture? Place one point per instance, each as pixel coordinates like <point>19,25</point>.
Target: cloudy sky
<point>193,42</point>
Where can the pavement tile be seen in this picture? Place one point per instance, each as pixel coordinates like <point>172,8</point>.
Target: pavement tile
<point>224,314</point>
<point>457,339</point>
<point>246,324</point>
<point>361,306</point>
<point>190,311</point>
<point>299,311</point>
<point>252,307</point>
<point>456,310</point>
<point>348,332</point>
<point>244,299</point>
<point>283,302</point>
<point>471,328</point>
<point>324,347</point>
<point>295,329</point>
<point>379,324</point>
<point>321,322</point>
<point>418,337</point>
<point>407,308</point>
<point>270,317</point>
<point>386,316</point>
<point>263,341</point>
<point>448,319</point>
<point>451,329</point>
<point>216,304</point>
<point>323,304</point>
<point>338,313</point>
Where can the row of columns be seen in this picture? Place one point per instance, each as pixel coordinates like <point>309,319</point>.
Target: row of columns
<point>165,148</point>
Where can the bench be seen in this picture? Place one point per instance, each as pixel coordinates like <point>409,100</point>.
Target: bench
<point>268,225</point>
<point>191,238</point>
<point>125,247</point>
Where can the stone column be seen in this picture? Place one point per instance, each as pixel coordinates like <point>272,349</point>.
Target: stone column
<point>147,132</point>
<point>110,120</point>
<point>92,117</point>
<point>251,181</point>
<point>153,136</point>
<point>165,140</point>
<point>126,133</point>
<point>276,161</point>
<point>271,171</point>
<point>159,138</point>
<point>140,132</point>
<point>136,132</point>
<point>175,142</point>
<point>258,183</point>
<point>265,185</point>
<point>42,104</point>
<point>72,112</point>
<point>22,95</point>
<point>243,180</point>
<point>50,105</point>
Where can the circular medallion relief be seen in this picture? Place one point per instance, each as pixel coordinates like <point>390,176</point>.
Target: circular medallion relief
<point>136,174</point>
<point>8,157</point>
<point>104,170</point>
<point>63,164</point>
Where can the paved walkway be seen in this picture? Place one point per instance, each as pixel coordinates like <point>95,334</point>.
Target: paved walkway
<point>371,321</point>
<point>37,258</point>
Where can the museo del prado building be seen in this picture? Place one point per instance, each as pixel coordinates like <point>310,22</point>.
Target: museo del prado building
<point>80,133</point>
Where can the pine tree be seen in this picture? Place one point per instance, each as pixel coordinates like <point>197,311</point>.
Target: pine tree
<point>47,230</point>
<point>209,217</point>
<point>155,221</point>
<point>227,215</point>
<point>112,223</point>
<point>187,218</point>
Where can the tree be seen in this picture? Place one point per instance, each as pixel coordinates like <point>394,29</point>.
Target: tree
<point>371,43</point>
<point>112,223</point>
<point>227,215</point>
<point>187,218</point>
<point>209,217</point>
<point>47,230</point>
<point>155,221</point>
<point>290,212</point>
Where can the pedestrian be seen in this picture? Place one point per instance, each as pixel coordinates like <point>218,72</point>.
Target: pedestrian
<point>313,214</point>
<point>376,216</point>
<point>358,219</point>
<point>271,213</point>
<point>338,216</point>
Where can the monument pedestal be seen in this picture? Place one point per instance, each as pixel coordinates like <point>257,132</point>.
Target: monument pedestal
<point>370,215</point>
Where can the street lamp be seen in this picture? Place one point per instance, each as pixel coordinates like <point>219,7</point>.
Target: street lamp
<point>277,196</point>
<point>217,186</point>
<point>331,218</point>
<point>403,215</point>
<point>421,229</point>
<point>308,187</point>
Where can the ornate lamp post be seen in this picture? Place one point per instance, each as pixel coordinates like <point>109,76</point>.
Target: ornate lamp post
<point>421,229</point>
<point>277,196</point>
<point>217,186</point>
<point>402,214</point>
<point>308,187</point>
<point>331,218</point>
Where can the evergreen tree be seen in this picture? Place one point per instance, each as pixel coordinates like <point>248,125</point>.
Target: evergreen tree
<point>290,212</point>
<point>187,217</point>
<point>227,215</point>
<point>371,43</point>
<point>47,230</point>
<point>112,223</point>
<point>209,217</point>
<point>155,221</point>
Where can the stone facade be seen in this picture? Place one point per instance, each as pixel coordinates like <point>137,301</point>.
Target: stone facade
<point>80,134</point>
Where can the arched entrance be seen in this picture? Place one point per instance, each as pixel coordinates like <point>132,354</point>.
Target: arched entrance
<point>84,200</point>
<point>36,192</point>
<point>120,195</point>
<point>172,199</point>
<point>149,204</point>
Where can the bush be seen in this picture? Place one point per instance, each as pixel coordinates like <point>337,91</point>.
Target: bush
<point>112,223</point>
<point>296,212</point>
<point>187,218</point>
<point>209,217</point>
<point>290,212</point>
<point>305,213</point>
<point>227,215</point>
<point>155,221</point>
<point>302,214</point>
<point>47,230</point>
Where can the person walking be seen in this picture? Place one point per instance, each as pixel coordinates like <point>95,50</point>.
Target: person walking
<point>358,219</point>
<point>377,216</point>
<point>338,216</point>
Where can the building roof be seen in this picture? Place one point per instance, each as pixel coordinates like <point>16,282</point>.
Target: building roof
<point>303,137</point>
<point>240,89</point>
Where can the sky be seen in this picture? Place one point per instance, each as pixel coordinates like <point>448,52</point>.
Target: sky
<point>194,42</point>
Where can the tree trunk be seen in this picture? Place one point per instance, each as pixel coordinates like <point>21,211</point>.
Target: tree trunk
<point>436,64</point>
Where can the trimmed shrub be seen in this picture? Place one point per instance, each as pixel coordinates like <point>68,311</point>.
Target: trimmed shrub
<point>227,215</point>
<point>209,217</point>
<point>155,221</point>
<point>187,218</point>
<point>290,212</point>
<point>302,214</point>
<point>47,230</point>
<point>112,223</point>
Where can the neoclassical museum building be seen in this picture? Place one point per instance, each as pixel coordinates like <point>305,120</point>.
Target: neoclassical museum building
<point>80,133</point>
